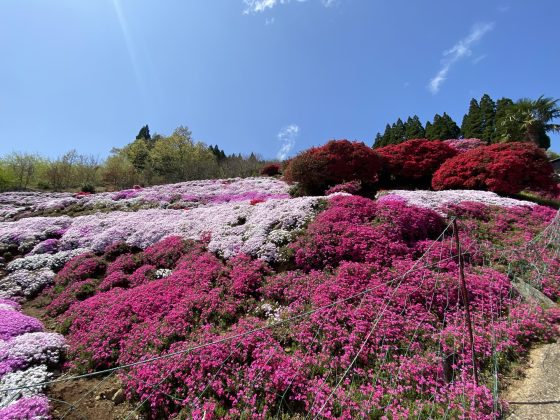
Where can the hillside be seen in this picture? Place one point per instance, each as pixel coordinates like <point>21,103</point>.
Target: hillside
<point>229,298</point>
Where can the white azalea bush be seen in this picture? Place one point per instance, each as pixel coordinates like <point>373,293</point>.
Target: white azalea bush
<point>25,283</point>
<point>439,200</point>
<point>183,194</point>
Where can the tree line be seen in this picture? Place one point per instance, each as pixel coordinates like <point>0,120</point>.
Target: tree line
<point>147,160</point>
<point>492,121</point>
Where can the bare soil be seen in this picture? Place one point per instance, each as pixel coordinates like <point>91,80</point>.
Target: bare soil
<point>536,396</point>
<point>89,399</point>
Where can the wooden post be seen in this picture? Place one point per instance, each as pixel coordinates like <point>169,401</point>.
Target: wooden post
<point>465,298</point>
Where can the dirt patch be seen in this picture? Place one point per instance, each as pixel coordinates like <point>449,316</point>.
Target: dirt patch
<point>93,398</point>
<point>537,395</point>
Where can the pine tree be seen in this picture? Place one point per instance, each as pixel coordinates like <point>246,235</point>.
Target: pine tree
<point>451,130</point>
<point>378,140</point>
<point>429,129</point>
<point>144,133</point>
<point>472,125</point>
<point>414,128</point>
<point>433,129</point>
<point>488,114</point>
<point>398,132</point>
<point>442,128</point>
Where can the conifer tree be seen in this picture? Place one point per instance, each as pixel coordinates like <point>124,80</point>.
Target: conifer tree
<point>488,114</point>
<point>398,134</point>
<point>442,128</point>
<point>144,133</point>
<point>414,128</point>
<point>472,125</point>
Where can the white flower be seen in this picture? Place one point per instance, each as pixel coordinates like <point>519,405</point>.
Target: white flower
<point>437,200</point>
<point>22,378</point>
<point>34,348</point>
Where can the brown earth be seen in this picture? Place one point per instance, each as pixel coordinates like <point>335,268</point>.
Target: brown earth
<point>536,396</point>
<point>90,399</point>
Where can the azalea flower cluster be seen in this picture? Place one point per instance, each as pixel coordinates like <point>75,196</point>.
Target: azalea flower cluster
<point>383,332</point>
<point>439,200</point>
<point>462,145</point>
<point>17,203</point>
<point>26,355</point>
<point>260,229</point>
<point>181,195</point>
<point>230,227</point>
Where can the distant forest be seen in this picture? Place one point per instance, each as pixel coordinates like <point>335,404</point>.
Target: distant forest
<point>492,121</point>
<point>147,160</point>
<point>152,159</point>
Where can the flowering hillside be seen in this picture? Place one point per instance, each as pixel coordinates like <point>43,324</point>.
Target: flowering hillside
<point>227,298</point>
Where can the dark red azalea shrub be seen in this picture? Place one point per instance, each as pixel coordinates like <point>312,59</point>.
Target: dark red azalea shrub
<point>336,162</point>
<point>502,168</point>
<point>413,162</point>
<point>271,170</point>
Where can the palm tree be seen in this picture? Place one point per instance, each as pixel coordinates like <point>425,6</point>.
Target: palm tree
<point>530,120</point>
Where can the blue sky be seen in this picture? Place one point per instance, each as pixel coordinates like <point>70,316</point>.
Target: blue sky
<point>270,76</point>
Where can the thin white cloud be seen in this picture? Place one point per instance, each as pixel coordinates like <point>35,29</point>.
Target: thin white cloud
<point>287,137</point>
<point>269,21</point>
<point>479,59</point>
<point>460,50</point>
<point>257,6</point>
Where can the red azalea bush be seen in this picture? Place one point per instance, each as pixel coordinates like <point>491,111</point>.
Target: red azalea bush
<point>336,162</point>
<point>502,168</point>
<point>272,169</point>
<point>413,162</point>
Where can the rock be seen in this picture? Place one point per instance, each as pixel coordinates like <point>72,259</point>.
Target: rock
<point>529,293</point>
<point>118,397</point>
<point>108,394</point>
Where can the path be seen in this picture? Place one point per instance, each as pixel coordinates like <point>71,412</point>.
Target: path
<point>539,390</point>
